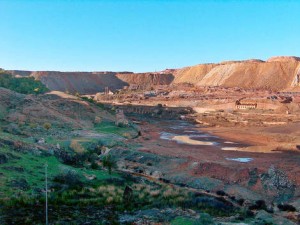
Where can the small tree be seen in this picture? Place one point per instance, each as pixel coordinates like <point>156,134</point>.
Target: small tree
<point>109,163</point>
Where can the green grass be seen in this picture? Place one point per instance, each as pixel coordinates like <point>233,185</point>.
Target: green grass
<point>182,221</point>
<point>33,170</point>
<point>204,219</point>
<point>111,128</point>
<point>13,137</point>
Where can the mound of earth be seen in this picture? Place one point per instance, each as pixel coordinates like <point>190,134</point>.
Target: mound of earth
<point>54,108</point>
<point>277,73</point>
<point>93,82</point>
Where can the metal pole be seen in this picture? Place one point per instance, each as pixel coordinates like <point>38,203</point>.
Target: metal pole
<point>46,187</point>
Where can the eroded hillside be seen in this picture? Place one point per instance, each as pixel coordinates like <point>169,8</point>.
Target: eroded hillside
<point>93,82</point>
<point>277,73</point>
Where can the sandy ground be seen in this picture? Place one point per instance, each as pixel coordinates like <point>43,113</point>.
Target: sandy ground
<point>262,139</point>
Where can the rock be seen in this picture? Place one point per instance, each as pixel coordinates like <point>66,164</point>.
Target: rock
<point>90,177</point>
<point>97,120</point>
<point>191,212</point>
<point>121,164</point>
<point>41,141</point>
<point>104,150</point>
<point>277,180</point>
<point>157,174</point>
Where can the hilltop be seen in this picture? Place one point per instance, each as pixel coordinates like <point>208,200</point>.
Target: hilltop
<point>277,74</point>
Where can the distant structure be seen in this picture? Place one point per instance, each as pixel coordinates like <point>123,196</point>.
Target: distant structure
<point>240,105</point>
<point>107,91</point>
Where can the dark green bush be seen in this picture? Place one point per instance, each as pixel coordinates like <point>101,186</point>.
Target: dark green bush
<point>68,177</point>
<point>24,85</point>
<point>286,207</point>
<point>259,204</point>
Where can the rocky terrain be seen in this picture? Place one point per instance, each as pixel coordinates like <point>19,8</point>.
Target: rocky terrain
<point>277,73</point>
<point>207,144</point>
<point>93,82</point>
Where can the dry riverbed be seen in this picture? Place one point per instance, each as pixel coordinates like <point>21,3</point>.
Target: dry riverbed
<point>223,156</point>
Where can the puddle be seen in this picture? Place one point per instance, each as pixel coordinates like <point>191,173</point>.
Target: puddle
<point>229,142</point>
<point>185,139</point>
<point>231,148</point>
<point>242,160</point>
<point>185,133</point>
<point>188,140</point>
<point>178,127</point>
<point>166,136</point>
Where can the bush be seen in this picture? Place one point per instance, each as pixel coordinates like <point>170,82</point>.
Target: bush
<point>33,125</point>
<point>47,126</point>
<point>241,201</point>
<point>108,162</point>
<point>69,157</point>
<point>94,166</point>
<point>24,85</point>
<point>221,193</point>
<point>259,204</point>
<point>286,207</point>
<point>68,177</point>
<point>205,219</point>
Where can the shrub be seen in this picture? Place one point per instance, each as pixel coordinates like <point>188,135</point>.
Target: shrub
<point>24,85</point>
<point>69,177</point>
<point>241,201</point>
<point>47,126</point>
<point>94,166</point>
<point>259,204</point>
<point>205,219</point>
<point>33,125</point>
<point>75,145</point>
<point>286,207</point>
<point>108,162</point>
<point>221,193</point>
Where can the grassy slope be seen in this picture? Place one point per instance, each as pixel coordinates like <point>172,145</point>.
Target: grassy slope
<point>22,178</point>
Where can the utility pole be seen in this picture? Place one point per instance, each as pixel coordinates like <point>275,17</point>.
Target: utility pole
<point>46,189</point>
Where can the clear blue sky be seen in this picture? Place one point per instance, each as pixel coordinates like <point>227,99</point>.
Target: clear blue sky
<point>143,35</point>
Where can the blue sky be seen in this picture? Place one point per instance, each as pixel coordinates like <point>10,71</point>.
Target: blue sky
<point>144,35</point>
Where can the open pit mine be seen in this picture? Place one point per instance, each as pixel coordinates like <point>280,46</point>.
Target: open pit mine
<point>217,141</point>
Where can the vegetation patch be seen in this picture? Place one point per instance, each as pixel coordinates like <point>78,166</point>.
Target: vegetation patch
<point>24,85</point>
